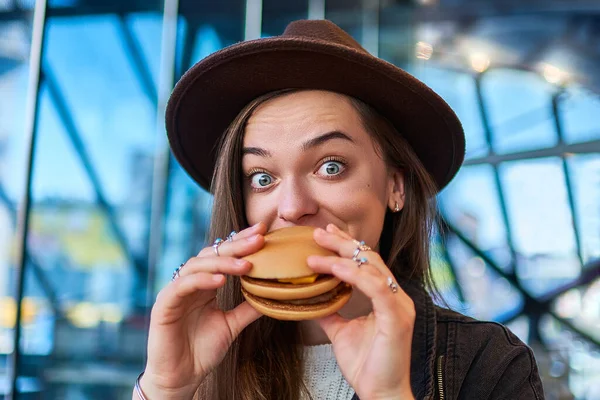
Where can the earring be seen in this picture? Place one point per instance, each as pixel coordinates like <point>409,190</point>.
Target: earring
<point>397,207</point>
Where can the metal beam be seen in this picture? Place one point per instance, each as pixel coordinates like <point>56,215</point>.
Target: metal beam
<point>133,50</point>
<point>23,218</point>
<point>37,270</point>
<point>483,112</point>
<point>75,138</point>
<point>532,304</point>
<point>568,184</point>
<point>560,150</point>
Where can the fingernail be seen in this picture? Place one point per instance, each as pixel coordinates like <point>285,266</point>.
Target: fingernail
<point>217,277</point>
<point>241,263</point>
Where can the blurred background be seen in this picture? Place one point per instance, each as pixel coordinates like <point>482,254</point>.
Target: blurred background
<point>95,214</point>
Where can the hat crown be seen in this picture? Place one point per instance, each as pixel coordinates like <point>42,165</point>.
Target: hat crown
<point>322,30</point>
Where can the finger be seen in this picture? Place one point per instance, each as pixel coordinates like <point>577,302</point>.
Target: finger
<point>237,248</point>
<point>332,324</point>
<point>386,303</point>
<point>333,228</point>
<point>215,265</point>
<point>252,230</point>
<point>324,265</point>
<point>332,241</point>
<point>173,295</point>
<point>240,317</point>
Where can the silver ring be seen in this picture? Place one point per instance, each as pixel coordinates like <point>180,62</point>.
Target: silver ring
<point>176,272</point>
<point>360,246</point>
<point>230,236</point>
<point>218,242</point>
<point>361,261</point>
<point>392,285</point>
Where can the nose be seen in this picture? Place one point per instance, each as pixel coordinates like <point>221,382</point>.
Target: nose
<point>296,201</point>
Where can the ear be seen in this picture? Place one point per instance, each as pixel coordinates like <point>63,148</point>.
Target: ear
<point>396,192</point>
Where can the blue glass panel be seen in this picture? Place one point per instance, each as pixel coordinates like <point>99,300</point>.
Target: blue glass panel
<point>520,110</point>
<point>15,47</point>
<point>458,89</point>
<point>579,109</point>
<point>119,119</point>
<point>541,223</point>
<point>207,42</point>
<point>277,14</point>
<point>488,296</point>
<point>471,203</point>
<point>585,177</point>
<point>58,171</point>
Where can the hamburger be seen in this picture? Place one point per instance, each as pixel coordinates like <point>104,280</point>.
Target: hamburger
<point>282,286</point>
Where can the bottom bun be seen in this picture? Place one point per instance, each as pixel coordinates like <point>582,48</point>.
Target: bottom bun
<point>296,312</point>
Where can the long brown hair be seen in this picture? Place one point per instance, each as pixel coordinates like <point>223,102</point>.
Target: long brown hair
<point>265,361</point>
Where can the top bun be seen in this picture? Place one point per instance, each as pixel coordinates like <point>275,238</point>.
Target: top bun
<point>284,254</point>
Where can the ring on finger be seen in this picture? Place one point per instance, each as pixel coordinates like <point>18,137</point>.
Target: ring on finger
<point>176,272</point>
<point>360,246</point>
<point>218,242</point>
<point>392,285</point>
<point>230,236</point>
<point>361,261</point>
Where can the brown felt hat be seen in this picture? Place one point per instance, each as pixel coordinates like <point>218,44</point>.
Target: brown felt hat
<point>310,54</point>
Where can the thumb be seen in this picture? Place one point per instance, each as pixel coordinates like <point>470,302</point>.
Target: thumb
<point>240,317</point>
<point>332,324</point>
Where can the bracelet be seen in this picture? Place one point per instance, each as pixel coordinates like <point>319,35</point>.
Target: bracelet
<point>138,389</point>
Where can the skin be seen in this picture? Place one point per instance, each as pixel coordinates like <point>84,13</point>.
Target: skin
<point>297,173</point>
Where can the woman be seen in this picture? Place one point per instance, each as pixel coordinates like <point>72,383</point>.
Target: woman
<point>312,130</point>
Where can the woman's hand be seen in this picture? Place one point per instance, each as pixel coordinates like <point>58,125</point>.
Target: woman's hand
<point>189,335</point>
<point>373,351</point>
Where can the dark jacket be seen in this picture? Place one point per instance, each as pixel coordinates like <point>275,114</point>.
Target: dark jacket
<point>457,357</point>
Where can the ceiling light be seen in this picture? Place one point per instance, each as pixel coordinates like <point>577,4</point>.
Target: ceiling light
<point>423,50</point>
<point>554,74</point>
<point>479,62</point>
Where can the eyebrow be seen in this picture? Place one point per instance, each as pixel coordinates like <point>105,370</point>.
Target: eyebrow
<point>309,144</point>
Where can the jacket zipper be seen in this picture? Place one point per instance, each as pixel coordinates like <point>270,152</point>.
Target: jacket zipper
<point>440,377</point>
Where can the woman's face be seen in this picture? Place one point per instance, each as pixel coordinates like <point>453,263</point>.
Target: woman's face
<point>308,160</point>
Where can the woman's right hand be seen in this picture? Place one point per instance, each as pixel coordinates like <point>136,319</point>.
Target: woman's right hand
<point>189,335</point>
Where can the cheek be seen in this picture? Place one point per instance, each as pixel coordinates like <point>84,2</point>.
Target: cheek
<point>360,205</point>
<point>259,208</point>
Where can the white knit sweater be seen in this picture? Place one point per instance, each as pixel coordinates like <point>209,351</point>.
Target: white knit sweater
<point>322,375</point>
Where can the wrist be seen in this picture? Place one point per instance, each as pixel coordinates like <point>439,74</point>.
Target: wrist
<point>148,389</point>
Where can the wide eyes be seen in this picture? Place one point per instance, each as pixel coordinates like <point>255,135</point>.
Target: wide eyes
<point>260,180</point>
<point>329,169</point>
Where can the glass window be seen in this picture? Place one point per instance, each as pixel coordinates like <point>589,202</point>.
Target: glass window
<point>578,109</point>
<point>277,14</point>
<point>15,47</point>
<point>471,203</point>
<point>488,296</point>
<point>443,276</point>
<point>347,14</point>
<point>581,307</point>
<point>541,223</point>
<point>571,358</point>
<point>458,89</point>
<point>585,177</point>
<point>519,106</point>
<point>119,119</point>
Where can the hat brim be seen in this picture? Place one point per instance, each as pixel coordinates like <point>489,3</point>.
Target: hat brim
<point>211,94</point>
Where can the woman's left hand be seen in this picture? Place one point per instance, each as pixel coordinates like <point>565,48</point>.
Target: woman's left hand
<point>372,351</point>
